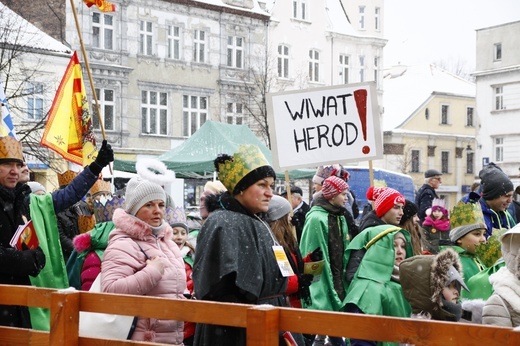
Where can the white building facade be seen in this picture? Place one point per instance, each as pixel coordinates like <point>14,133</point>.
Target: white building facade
<point>498,97</point>
<point>162,68</point>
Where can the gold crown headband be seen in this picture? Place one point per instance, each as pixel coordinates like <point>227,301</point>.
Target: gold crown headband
<point>246,159</point>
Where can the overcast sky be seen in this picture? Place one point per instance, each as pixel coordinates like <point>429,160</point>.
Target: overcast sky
<point>442,30</point>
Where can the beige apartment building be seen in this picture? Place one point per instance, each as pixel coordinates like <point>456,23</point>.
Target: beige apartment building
<point>429,121</point>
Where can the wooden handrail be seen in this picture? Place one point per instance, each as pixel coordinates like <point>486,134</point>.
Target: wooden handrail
<point>263,322</point>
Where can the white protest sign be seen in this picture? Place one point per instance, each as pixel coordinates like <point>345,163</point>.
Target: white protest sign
<point>324,125</point>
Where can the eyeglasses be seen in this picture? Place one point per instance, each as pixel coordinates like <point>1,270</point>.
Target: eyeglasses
<point>437,178</point>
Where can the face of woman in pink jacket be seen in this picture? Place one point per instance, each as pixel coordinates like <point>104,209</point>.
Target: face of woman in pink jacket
<point>152,212</point>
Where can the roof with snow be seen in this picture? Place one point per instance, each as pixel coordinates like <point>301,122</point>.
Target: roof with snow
<point>337,18</point>
<point>255,8</point>
<point>406,88</point>
<point>338,21</point>
<point>15,30</point>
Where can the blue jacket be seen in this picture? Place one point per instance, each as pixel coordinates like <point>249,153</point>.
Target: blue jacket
<point>495,219</point>
<point>75,191</point>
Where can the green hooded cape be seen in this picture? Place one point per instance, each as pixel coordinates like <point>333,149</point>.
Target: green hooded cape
<point>371,289</point>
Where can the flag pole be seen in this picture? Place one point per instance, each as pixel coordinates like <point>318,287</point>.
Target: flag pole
<point>87,67</point>
<point>91,80</point>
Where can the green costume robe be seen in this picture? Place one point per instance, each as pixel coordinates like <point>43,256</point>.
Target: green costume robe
<point>479,285</point>
<point>318,233</point>
<point>471,264</point>
<point>371,289</point>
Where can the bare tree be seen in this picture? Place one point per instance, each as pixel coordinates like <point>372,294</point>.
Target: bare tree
<point>20,67</point>
<point>256,83</point>
<point>403,162</point>
<point>259,80</point>
<point>458,67</point>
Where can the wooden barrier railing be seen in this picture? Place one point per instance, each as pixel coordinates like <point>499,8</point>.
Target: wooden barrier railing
<point>263,322</point>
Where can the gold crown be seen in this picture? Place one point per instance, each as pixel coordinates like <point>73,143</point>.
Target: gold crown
<point>175,216</point>
<point>246,159</point>
<point>86,223</point>
<point>66,177</point>
<point>105,212</point>
<point>100,186</point>
<point>490,251</point>
<point>10,149</point>
<point>464,214</point>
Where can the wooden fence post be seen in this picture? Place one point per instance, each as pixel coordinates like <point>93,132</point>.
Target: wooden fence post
<point>263,325</point>
<point>64,318</point>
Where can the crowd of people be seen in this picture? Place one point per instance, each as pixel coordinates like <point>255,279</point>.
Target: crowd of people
<point>403,258</point>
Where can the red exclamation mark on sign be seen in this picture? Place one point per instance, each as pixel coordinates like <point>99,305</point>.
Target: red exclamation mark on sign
<point>361,104</point>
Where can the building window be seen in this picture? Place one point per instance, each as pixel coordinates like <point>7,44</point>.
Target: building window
<point>234,113</point>
<point>154,112</point>
<point>283,61</point>
<point>235,52</point>
<point>415,161</point>
<point>469,116</point>
<point>106,105</point>
<point>470,157</point>
<point>445,161</point>
<point>174,42</point>
<point>344,68</point>
<point>499,98</point>
<point>445,109</point>
<point>199,46</point>
<point>314,65</point>
<point>300,9</point>
<point>194,113</point>
<point>362,17</point>
<point>498,51</point>
<point>145,38</point>
<point>376,69</point>
<point>427,113</point>
<point>377,19</point>
<point>102,31</point>
<point>499,149</point>
<point>34,92</point>
<point>361,68</point>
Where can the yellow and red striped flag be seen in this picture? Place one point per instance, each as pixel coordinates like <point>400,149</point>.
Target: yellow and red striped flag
<point>69,126</point>
<point>103,5</point>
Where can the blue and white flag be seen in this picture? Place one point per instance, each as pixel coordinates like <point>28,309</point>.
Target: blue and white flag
<point>6,126</point>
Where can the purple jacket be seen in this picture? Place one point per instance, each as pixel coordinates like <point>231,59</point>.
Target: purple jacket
<point>124,270</point>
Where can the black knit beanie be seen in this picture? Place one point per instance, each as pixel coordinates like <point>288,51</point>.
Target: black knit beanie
<point>494,182</point>
<point>409,210</point>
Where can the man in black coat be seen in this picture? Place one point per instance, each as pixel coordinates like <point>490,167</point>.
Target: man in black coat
<point>426,194</point>
<point>15,265</point>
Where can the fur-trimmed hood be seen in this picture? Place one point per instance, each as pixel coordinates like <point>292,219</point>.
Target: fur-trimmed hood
<point>130,226</point>
<point>423,279</point>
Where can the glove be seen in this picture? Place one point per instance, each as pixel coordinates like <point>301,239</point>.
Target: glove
<point>304,280</point>
<point>316,255</point>
<point>104,157</point>
<point>38,259</point>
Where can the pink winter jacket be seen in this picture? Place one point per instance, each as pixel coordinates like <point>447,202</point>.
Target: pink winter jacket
<point>124,270</point>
